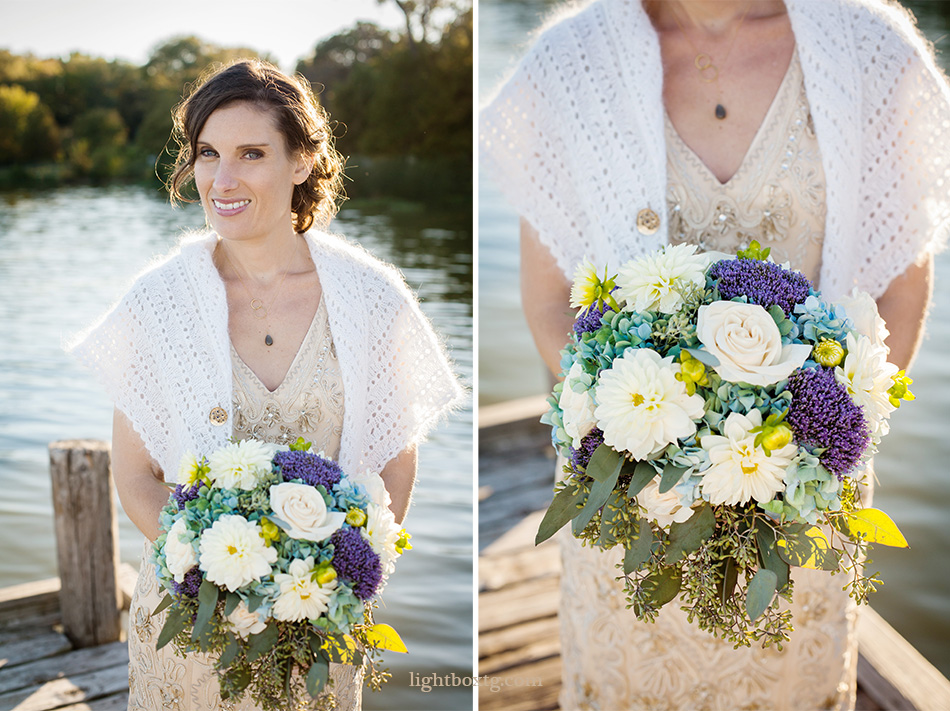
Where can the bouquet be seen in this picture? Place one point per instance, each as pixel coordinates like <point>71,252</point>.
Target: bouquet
<point>271,558</point>
<point>716,415</point>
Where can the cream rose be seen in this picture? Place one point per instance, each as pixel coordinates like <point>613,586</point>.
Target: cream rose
<point>244,622</point>
<point>747,343</point>
<point>180,554</point>
<point>577,407</point>
<point>666,509</point>
<point>302,507</point>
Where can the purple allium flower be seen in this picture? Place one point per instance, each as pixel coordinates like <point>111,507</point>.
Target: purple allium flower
<point>823,415</point>
<point>354,560</point>
<point>189,586</point>
<point>311,468</point>
<point>591,441</point>
<point>184,494</point>
<point>589,319</point>
<point>764,283</point>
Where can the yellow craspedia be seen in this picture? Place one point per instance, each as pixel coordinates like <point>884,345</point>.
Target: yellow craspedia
<point>269,530</point>
<point>324,574</point>
<point>828,353</point>
<point>356,517</point>
<point>692,373</point>
<point>900,390</point>
<point>402,543</point>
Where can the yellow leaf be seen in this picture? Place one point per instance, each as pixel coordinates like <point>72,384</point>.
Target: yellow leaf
<point>875,526</point>
<point>346,651</point>
<point>385,637</point>
<point>808,549</point>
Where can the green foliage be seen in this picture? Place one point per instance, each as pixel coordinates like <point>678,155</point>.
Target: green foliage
<point>28,132</point>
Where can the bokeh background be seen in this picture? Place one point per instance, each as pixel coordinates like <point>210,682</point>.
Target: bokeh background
<point>914,484</point>
<point>86,92</point>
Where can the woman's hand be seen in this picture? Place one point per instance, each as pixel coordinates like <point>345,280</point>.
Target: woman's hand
<point>545,298</point>
<point>138,479</point>
<point>399,476</point>
<point>904,308</point>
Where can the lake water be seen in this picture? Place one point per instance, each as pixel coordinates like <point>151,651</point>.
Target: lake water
<point>911,467</point>
<point>67,254</point>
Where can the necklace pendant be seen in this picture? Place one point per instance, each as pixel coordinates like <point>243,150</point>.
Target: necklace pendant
<point>268,341</point>
<point>720,112</point>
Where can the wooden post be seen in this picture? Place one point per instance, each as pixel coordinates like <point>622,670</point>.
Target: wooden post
<point>87,541</point>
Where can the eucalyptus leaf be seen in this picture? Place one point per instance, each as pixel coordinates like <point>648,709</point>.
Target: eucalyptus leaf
<point>730,577</point>
<point>163,605</point>
<point>317,677</point>
<point>639,553</point>
<point>642,475</point>
<point>229,652</point>
<point>563,508</point>
<point>259,644</point>
<point>254,602</point>
<point>174,624</point>
<point>241,679</point>
<point>207,601</point>
<point>671,477</point>
<point>231,602</point>
<point>663,586</point>
<point>603,463</point>
<point>599,493</point>
<point>688,536</point>
<point>769,555</point>
<point>609,518</point>
<point>760,593</point>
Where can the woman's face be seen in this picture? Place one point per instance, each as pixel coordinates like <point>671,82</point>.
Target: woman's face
<point>244,174</point>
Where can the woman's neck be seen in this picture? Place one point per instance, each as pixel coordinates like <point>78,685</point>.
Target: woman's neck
<point>263,261</point>
<point>712,17</point>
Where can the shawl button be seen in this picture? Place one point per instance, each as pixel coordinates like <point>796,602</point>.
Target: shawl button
<point>218,416</point>
<point>648,222</point>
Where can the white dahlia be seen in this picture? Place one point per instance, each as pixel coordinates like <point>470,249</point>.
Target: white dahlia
<point>233,553</point>
<point>740,471</point>
<point>657,282</point>
<point>577,406</point>
<point>382,533</point>
<point>642,407</point>
<point>301,597</point>
<point>239,465</point>
<point>180,556</point>
<point>868,375</point>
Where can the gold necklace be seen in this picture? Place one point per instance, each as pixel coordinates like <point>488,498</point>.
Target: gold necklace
<point>258,309</point>
<point>708,71</point>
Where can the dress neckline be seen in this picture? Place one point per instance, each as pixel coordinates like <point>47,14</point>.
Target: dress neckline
<point>236,357</point>
<point>777,101</point>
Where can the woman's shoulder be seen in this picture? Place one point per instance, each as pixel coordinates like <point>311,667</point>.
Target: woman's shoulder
<point>189,254</point>
<point>352,257</point>
<point>880,26</point>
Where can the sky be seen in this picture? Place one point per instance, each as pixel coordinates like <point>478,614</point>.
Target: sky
<point>287,29</point>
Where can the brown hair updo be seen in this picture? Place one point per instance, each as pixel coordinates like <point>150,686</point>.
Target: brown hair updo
<point>298,117</point>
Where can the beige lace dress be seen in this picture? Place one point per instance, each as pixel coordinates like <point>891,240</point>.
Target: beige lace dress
<point>612,662</point>
<point>308,403</point>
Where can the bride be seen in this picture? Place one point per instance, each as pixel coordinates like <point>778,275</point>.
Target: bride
<point>264,327</point>
<point>814,127</point>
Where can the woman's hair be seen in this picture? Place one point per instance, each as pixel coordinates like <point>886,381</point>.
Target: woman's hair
<point>299,118</point>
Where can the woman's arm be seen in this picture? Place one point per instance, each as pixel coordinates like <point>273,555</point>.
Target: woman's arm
<point>138,479</point>
<point>904,308</point>
<point>545,298</point>
<point>399,475</point>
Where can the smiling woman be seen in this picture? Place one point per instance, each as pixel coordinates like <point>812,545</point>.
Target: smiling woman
<point>256,325</point>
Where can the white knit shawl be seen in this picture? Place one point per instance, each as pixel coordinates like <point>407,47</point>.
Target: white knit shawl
<point>575,137</point>
<point>163,355</point>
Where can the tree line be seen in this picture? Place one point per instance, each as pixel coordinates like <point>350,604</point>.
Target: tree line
<point>400,103</point>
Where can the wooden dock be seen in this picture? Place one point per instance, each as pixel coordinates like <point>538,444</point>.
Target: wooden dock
<point>62,644</point>
<point>518,632</point>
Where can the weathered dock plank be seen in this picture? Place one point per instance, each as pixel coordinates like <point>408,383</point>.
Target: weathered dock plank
<point>79,688</point>
<point>40,671</point>
<point>37,646</point>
